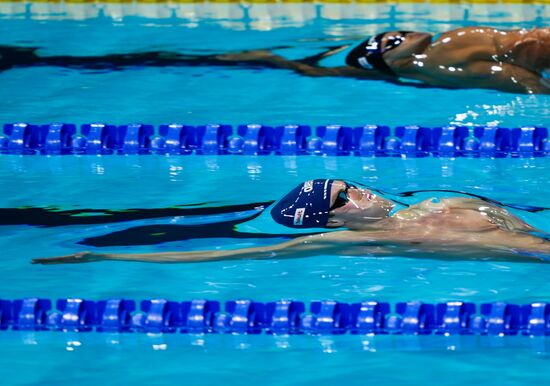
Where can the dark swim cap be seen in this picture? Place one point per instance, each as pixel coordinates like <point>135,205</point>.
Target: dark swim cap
<point>306,206</point>
<point>368,54</point>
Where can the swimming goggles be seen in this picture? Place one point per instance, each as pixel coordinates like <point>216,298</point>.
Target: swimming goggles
<point>343,197</point>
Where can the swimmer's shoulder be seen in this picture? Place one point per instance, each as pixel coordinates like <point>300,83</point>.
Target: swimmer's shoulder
<point>470,34</point>
<point>459,49</point>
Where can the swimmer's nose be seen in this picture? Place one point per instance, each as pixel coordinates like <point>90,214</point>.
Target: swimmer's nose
<point>358,194</point>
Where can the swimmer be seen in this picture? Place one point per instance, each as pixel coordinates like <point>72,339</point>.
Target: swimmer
<point>515,61</point>
<point>362,223</point>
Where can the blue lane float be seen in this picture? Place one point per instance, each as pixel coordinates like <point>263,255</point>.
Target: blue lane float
<point>255,139</point>
<point>326,317</point>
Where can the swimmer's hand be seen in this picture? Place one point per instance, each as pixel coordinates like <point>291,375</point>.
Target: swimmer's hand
<point>80,257</point>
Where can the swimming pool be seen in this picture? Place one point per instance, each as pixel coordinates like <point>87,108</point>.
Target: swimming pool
<point>88,185</point>
<point>179,94</point>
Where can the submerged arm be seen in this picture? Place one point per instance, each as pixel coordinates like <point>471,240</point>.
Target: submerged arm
<point>484,74</point>
<point>326,243</point>
<point>511,78</point>
<point>459,234</point>
<point>308,66</point>
<point>12,56</point>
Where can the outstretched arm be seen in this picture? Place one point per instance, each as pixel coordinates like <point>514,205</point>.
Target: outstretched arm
<point>445,244</point>
<point>326,243</point>
<point>12,56</point>
<point>307,66</point>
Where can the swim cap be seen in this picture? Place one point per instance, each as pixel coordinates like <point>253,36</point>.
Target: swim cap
<point>306,206</point>
<point>368,54</point>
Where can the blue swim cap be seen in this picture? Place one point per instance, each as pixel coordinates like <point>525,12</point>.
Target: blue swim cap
<point>306,206</point>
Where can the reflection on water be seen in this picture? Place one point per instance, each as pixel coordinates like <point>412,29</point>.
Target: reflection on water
<point>202,95</point>
<point>497,113</point>
<point>265,17</point>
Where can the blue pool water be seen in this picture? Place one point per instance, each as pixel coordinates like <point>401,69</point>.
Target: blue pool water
<point>225,95</point>
<point>158,181</point>
<point>201,95</point>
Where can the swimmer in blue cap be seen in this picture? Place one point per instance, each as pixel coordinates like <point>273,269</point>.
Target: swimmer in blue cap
<point>313,205</point>
<point>371,225</point>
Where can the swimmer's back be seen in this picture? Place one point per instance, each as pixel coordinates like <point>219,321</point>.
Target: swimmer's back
<point>529,49</point>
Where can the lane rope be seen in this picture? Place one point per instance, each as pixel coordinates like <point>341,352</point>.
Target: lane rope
<point>278,317</point>
<point>257,139</point>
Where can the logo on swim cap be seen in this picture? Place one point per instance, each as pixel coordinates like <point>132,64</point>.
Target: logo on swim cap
<point>299,216</point>
<point>372,44</point>
<point>313,196</point>
<point>368,54</point>
<point>308,186</point>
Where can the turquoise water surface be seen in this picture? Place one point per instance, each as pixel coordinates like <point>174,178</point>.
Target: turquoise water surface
<point>199,95</point>
<point>206,95</point>
<point>91,182</point>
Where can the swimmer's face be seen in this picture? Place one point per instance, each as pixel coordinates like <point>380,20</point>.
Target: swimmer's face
<point>353,207</point>
<point>396,45</point>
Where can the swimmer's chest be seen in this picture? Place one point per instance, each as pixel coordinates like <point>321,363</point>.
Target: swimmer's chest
<point>446,220</point>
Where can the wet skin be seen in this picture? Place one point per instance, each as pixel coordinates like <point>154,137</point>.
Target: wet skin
<point>448,229</point>
<point>478,57</point>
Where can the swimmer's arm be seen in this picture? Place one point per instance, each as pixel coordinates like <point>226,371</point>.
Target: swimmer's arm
<point>172,257</point>
<point>327,243</point>
<point>266,58</point>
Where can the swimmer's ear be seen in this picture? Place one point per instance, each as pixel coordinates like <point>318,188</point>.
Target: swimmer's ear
<point>333,223</point>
